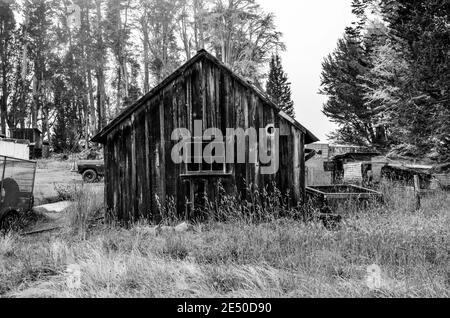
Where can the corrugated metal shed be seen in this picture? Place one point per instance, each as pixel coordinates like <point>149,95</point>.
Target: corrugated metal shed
<point>10,148</point>
<point>353,172</point>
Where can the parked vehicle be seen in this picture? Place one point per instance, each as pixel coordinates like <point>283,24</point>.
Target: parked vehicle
<point>91,170</point>
<point>17,185</point>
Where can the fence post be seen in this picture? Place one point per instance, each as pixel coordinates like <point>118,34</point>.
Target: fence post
<point>417,193</point>
<point>74,163</point>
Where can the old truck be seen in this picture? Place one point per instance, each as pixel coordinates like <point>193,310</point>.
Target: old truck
<point>91,170</point>
<point>17,185</point>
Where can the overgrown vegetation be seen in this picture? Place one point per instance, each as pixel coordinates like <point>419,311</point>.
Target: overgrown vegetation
<point>280,257</point>
<point>254,206</point>
<point>388,79</point>
<point>68,192</point>
<point>87,210</point>
<point>69,68</point>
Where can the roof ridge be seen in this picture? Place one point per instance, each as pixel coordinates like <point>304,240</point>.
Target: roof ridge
<point>201,53</point>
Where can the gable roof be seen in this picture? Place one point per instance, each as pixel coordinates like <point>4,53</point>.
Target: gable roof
<point>202,54</point>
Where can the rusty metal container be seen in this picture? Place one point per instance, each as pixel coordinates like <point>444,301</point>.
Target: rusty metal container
<point>331,199</point>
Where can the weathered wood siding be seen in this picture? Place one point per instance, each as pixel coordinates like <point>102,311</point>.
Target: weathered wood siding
<point>138,150</point>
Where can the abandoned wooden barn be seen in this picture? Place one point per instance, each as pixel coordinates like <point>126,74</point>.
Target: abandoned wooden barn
<point>138,144</point>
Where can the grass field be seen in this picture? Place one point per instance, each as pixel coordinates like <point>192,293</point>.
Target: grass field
<point>281,258</point>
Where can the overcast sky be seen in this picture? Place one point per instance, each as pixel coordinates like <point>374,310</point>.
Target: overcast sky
<point>311,29</point>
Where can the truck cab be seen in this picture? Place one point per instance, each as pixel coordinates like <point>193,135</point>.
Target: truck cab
<point>91,170</point>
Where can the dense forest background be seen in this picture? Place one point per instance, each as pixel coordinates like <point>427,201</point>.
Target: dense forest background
<point>388,81</point>
<point>68,67</point>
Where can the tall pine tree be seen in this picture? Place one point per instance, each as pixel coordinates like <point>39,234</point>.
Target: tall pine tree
<point>421,32</point>
<point>279,88</point>
<point>346,82</point>
<point>7,26</point>
<point>388,80</point>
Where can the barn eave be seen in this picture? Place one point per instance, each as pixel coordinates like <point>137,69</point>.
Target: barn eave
<point>101,136</point>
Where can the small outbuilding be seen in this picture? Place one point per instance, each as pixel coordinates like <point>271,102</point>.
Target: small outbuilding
<point>140,171</point>
<point>34,136</point>
<point>14,148</point>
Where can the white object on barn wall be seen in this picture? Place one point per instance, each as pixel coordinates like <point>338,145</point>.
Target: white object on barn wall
<point>14,149</point>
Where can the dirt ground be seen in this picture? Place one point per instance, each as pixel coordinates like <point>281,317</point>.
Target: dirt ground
<point>49,175</point>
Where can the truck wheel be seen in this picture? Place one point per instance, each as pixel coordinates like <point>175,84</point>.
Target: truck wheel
<point>89,176</point>
<point>10,221</point>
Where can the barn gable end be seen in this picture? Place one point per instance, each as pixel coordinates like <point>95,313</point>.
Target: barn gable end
<point>140,175</point>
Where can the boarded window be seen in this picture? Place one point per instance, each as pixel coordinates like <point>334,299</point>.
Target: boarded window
<point>199,164</point>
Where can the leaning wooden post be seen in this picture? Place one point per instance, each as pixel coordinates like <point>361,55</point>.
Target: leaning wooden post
<point>417,192</point>
<point>74,164</point>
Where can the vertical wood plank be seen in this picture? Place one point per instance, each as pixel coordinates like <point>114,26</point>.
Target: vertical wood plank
<point>148,193</point>
<point>133,194</point>
<point>417,203</point>
<point>162,151</point>
<point>302,168</point>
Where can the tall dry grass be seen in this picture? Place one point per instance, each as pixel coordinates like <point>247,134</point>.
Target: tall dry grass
<point>241,257</point>
<point>88,208</point>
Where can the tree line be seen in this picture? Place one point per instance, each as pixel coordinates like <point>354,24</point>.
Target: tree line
<point>388,80</point>
<point>68,67</point>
